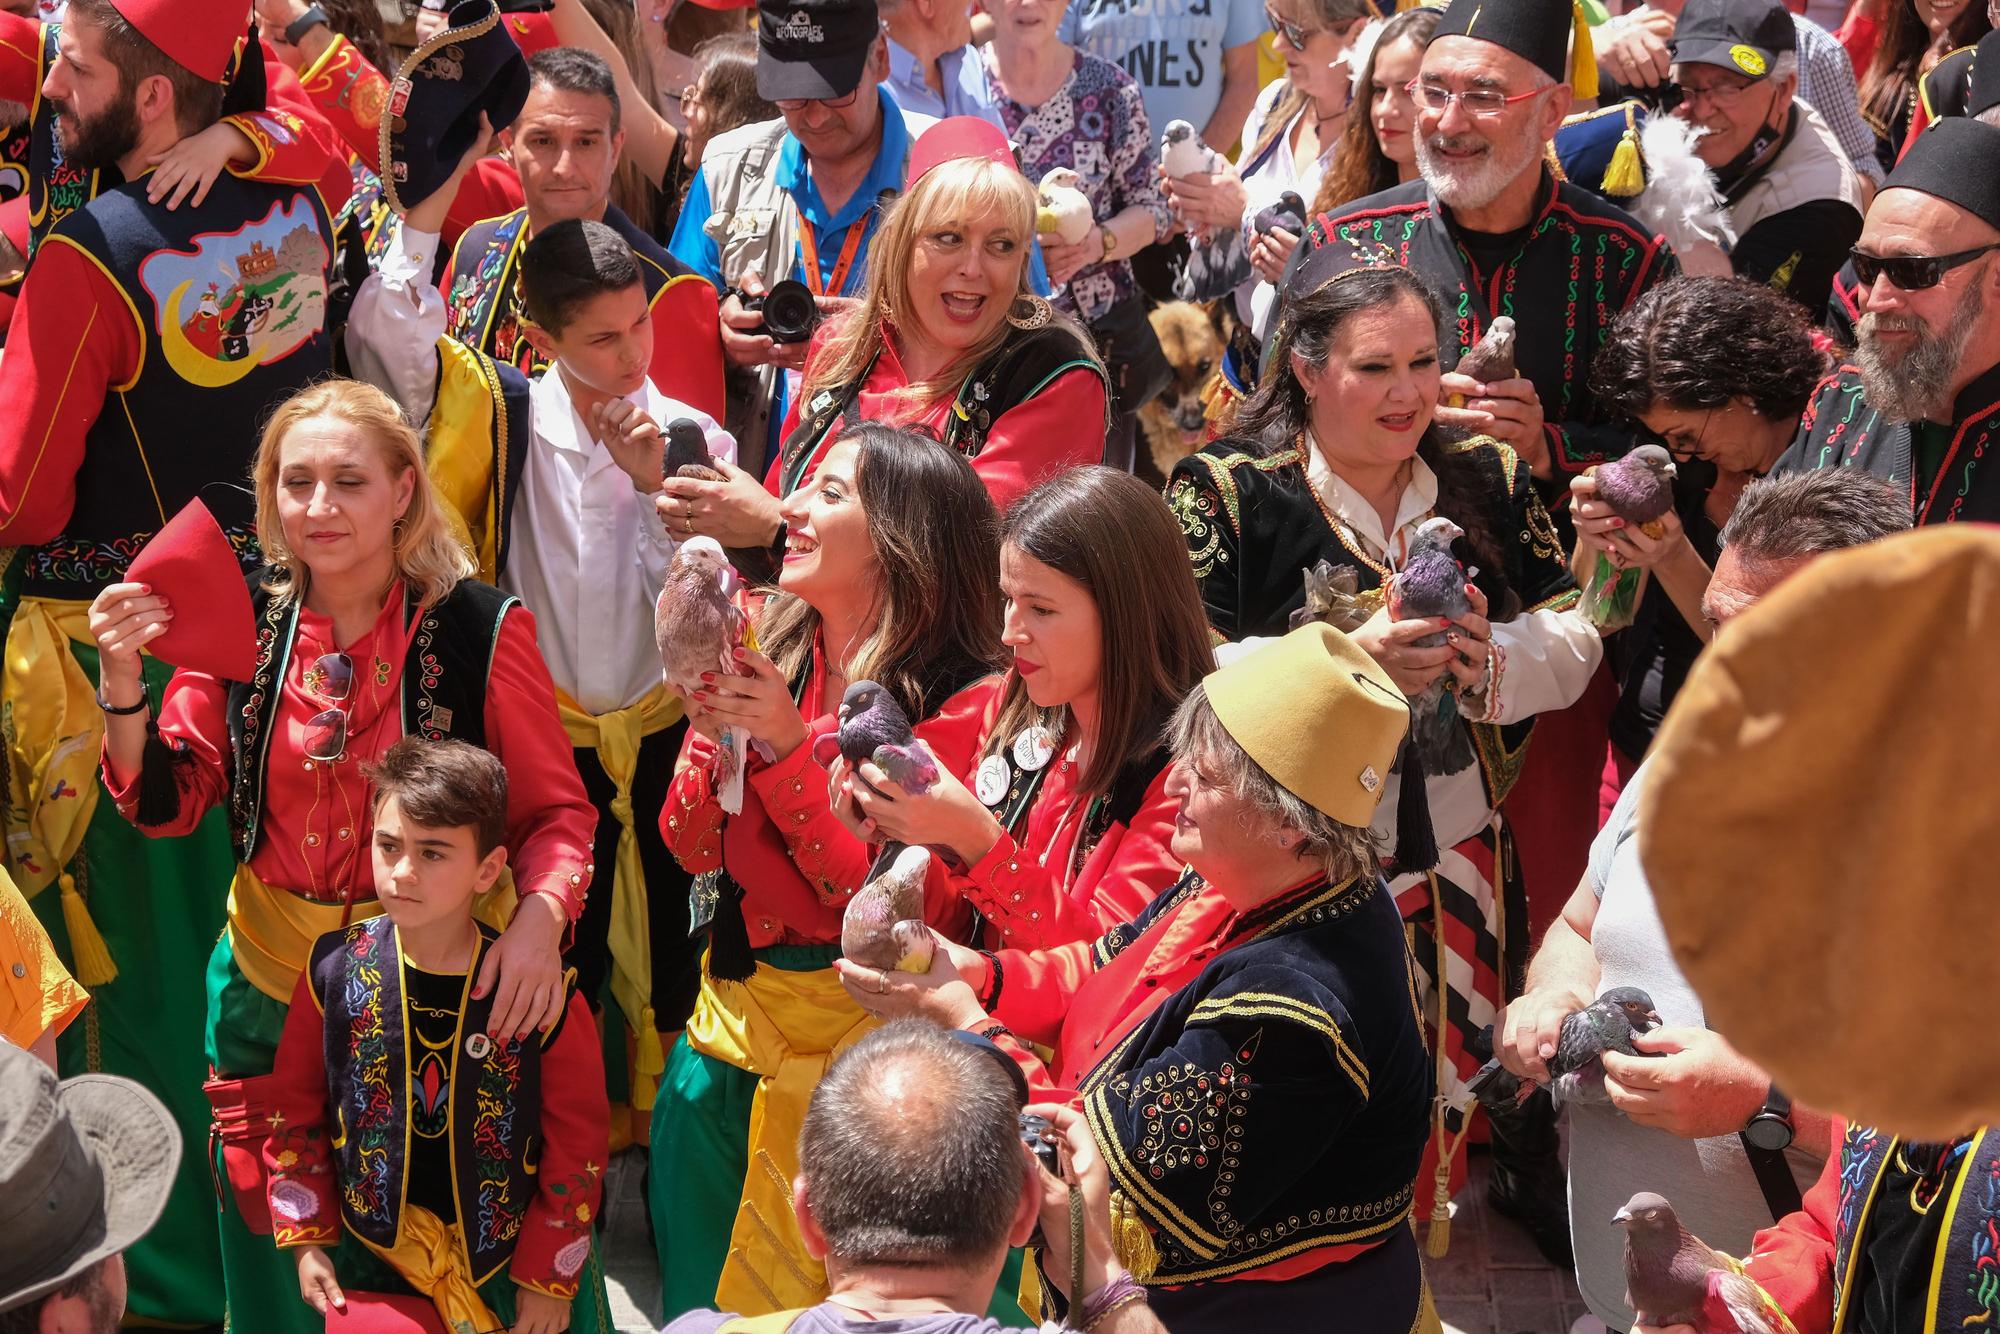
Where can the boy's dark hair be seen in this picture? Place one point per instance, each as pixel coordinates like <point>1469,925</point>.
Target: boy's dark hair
<point>571,69</point>
<point>197,101</point>
<point>445,785</point>
<point>567,264</point>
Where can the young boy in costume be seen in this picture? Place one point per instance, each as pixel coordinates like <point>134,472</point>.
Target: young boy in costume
<point>466,1167</point>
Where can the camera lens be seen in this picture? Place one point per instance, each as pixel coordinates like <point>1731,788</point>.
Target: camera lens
<point>790,313</point>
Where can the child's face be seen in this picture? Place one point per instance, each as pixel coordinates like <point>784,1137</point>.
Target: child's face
<point>607,344</point>
<point>426,875</point>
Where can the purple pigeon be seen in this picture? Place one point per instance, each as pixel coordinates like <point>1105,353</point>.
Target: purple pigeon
<point>1432,583</point>
<point>1640,486</point>
<point>1673,1278</point>
<point>884,923</point>
<point>873,727</point>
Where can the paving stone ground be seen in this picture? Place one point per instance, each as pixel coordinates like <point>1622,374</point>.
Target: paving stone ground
<point>1493,1281</point>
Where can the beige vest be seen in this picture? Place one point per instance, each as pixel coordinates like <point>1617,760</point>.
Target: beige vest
<point>1812,166</point>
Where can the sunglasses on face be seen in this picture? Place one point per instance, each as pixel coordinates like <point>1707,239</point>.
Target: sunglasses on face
<point>830,103</point>
<point>1481,103</point>
<point>331,677</point>
<point>1912,273</point>
<point>1295,34</point>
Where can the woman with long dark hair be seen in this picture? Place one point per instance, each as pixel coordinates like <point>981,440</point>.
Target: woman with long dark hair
<point>1379,150</point>
<point>1064,829</point>
<point>1337,461</point>
<point>1718,373</point>
<point>891,575</point>
<point>1916,34</point>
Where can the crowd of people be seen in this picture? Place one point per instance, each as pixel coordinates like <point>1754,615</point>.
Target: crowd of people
<point>579,578</point>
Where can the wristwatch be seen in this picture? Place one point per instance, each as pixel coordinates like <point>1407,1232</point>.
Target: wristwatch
<point>1771,1128</point>
<point>304,23</point>
<point>1110,240</point>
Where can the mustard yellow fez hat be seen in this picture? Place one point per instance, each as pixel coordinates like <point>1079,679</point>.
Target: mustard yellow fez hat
<point>1319,716</point>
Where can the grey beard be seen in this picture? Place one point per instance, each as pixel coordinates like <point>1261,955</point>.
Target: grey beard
<point>1918,383</point>
<point>1481,185</point>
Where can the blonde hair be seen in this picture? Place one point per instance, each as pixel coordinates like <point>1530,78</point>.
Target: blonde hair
<point>428,557</point>
<point>950,194</point>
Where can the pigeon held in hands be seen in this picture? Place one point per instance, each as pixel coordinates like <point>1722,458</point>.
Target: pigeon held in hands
<point>1639,488</point>
<point>1673,1278</point>
<point>1491,359</point>
<point>687,452</point>
<point>698,629</point>
<point>1432,584</point>
<point>874,728</point>
<point>1289,213</point>
<point>1064,208</point>
<point>1182,152</point>
<point>883,927</point>
<point>1608,1023</point>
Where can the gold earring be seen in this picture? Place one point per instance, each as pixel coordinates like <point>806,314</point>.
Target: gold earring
<point>1040,312</point>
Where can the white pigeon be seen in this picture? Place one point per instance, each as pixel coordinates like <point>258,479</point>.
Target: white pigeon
<point>1182,153</point>
<point>1065,209</point>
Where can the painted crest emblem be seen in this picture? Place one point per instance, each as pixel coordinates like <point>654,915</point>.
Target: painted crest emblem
<point>239,300</point>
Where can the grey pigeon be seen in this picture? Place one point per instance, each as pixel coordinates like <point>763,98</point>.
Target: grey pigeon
<point>1673,1278</point>
<point>687,452</point>
<point>873,727</point>
<point>1608,1023</point>
<point>1289,213</point>
<point>884,923</point>
<point>1432,583</point>
<point>1639,487</point>
<point>1491,359</point>
<point>695,624</point>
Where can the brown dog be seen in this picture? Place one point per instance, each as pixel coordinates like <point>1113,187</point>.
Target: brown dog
<point>1175,423</point>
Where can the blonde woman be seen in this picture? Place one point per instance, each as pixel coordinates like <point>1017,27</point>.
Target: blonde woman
<point>947,338</point>
<point>368,627</point>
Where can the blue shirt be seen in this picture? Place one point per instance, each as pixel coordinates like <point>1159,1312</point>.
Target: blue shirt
<point>1171,48</point>
<point>965,90</point>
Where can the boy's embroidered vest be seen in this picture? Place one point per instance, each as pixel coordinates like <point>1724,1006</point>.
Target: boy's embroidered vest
<point>495,1098</point>
<point>444,684</point>
<point>483,307</point>
<point>1023,366</point>
<point>231,299</point>
<point>1964,1289</point>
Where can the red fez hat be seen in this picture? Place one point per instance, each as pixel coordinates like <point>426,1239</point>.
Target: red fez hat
<point>198,35</point>
<point>957,137</point>
<point>191,564</point>
<point>384,1313</point>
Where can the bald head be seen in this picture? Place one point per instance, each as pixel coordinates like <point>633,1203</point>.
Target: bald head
<point>1917,348</point>
<point>911,1152</point>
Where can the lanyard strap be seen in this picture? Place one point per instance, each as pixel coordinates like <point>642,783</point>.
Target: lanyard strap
<point>809,248</point>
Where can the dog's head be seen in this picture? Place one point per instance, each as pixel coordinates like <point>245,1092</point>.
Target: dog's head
<point>1193,348</point>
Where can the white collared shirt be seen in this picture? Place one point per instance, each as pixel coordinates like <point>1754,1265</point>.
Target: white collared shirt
<point>1550,655</point>
<point>586,552</point>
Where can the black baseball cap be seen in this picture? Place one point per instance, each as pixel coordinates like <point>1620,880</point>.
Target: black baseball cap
<point>1742,35</point>
<point>811,49</point>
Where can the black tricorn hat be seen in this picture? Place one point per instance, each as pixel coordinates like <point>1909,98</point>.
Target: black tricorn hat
<point>1538,31</point>
<point>437,96</point>
<point>1956,160</point>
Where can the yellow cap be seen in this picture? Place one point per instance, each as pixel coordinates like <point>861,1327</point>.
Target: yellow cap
<point>1817,824</point>
<point>1319,715</point>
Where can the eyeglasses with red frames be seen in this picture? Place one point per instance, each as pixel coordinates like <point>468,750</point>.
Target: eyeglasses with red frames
<point>1479,103</point>
<point>331,677</point>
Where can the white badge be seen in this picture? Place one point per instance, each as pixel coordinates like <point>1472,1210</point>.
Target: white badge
<point>990,783</point>
<point>1034,748</point>
<point>477,1046</point>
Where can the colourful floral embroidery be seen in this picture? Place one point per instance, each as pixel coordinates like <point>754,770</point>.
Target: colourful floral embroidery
<point>368,1106</point>
<point>498,1215</point>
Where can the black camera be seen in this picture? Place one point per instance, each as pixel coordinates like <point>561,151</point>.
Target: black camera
<point>1034,1130</point>
<point>789,309</point>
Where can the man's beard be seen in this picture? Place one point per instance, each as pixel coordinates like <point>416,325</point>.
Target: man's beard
<point>1477,182</point>
<point>98,143</point>
<point>1915,383</point>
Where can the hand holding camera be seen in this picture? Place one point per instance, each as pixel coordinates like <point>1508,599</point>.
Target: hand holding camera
<point>771,327</point>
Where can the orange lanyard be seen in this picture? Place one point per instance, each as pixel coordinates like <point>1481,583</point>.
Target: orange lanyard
<point>809,248</point>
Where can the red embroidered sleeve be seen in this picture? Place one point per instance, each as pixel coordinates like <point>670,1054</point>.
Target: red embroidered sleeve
<point>691,819</point>
<point>351,93</point>
<point>555,1241</point>
<point>303,1189</point>
<point>550,821</point>
<point>295,144</point>
<point>194,723</point>
<point>1793,1259</point>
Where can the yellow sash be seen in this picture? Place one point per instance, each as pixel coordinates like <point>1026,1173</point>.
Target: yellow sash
<point>272,930</point>
<point>430,1255</point>
<point>54,732</point>
<point>615,737</point>
<point>785,1028</point>
<point>465,450</point>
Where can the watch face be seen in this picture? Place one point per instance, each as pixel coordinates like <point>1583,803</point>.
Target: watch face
<point>1769,1132</point>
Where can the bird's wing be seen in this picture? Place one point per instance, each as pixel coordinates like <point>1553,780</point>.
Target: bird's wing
<point>909,767</point>
<point>1737,1305</point>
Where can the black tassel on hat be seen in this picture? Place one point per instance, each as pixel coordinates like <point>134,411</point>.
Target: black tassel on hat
<point>1416,841</point>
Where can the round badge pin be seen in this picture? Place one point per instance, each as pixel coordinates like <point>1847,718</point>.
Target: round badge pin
<point>477,1046</point>
<point>990,783</point>
<point>1749,59</point>
<point>1034,748</point>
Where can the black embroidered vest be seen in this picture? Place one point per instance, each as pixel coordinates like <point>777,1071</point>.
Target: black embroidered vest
<point>231,296</point>
<point>357,980</point>
<point>1963,1290</point>
<point>444,684</point>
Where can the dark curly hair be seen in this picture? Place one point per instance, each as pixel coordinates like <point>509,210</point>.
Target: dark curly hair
<point>1699,342</point>
<point>1277,414</point>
